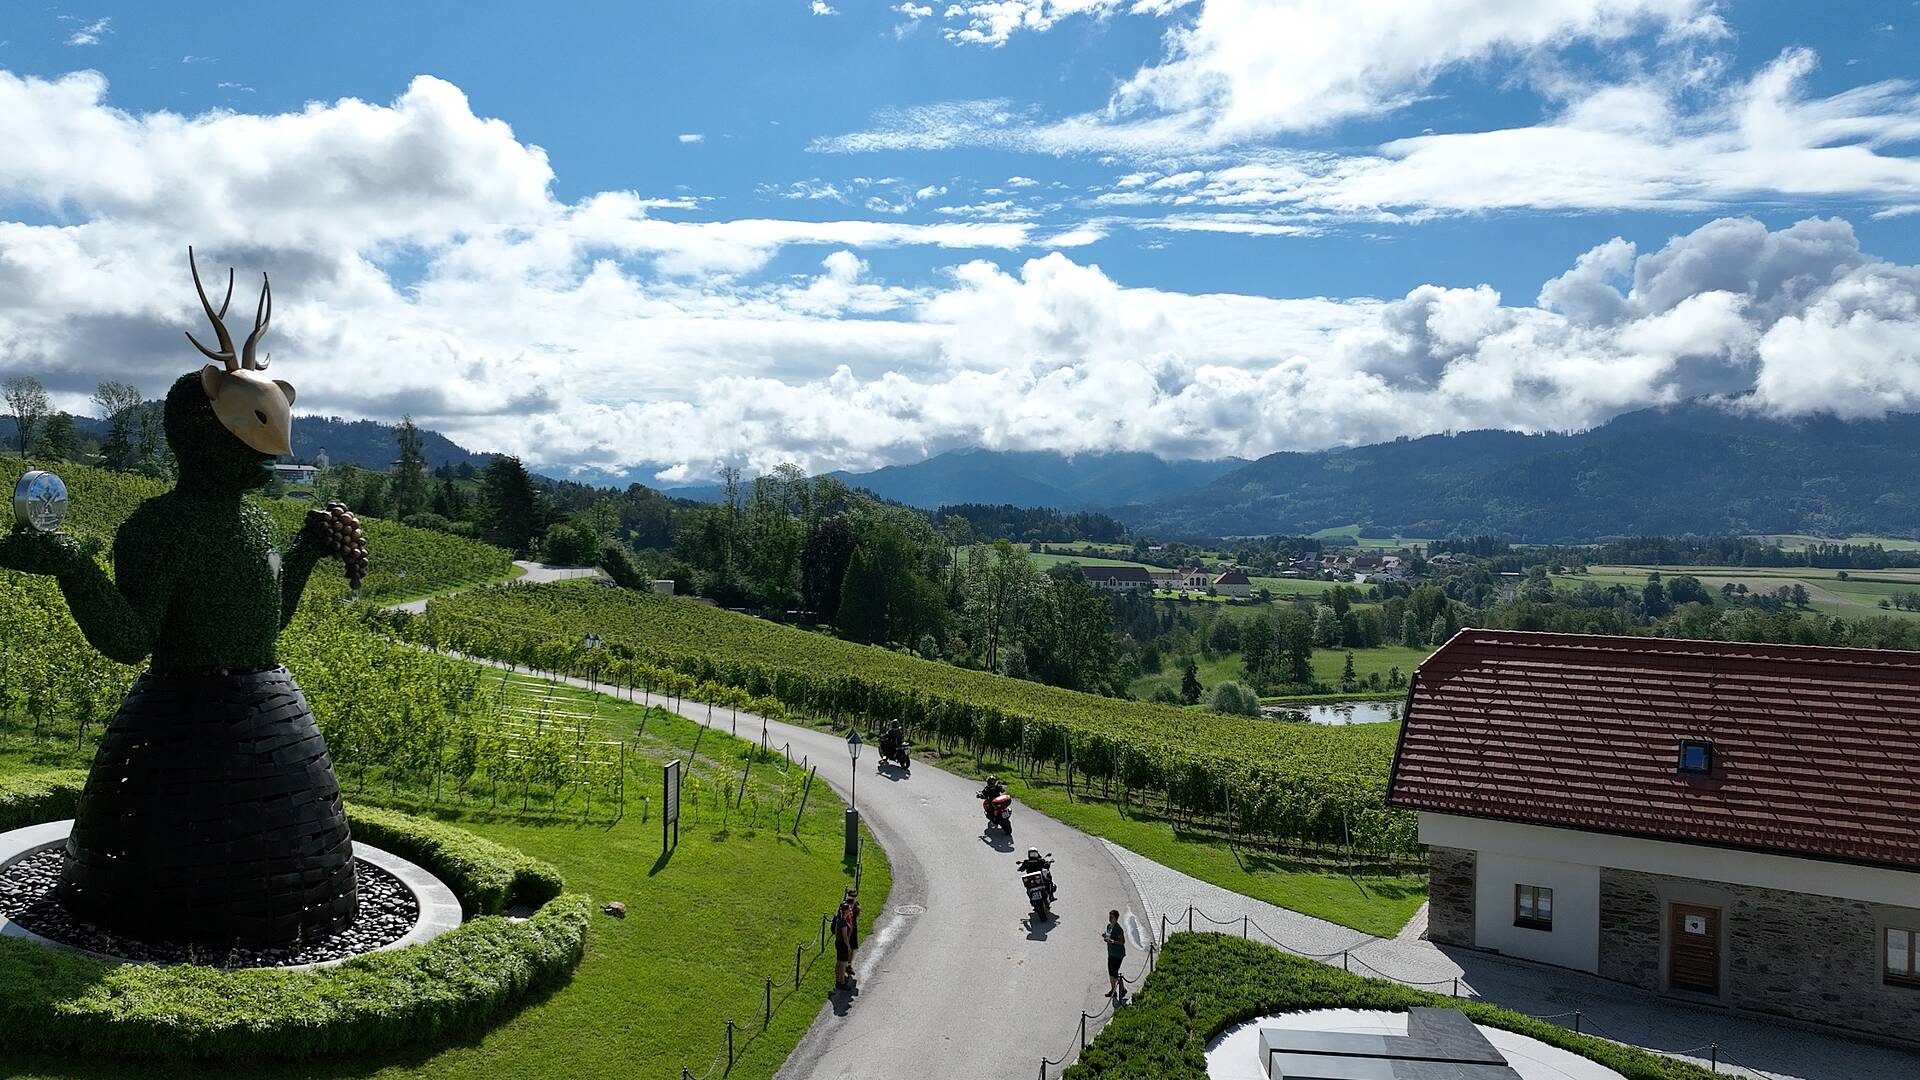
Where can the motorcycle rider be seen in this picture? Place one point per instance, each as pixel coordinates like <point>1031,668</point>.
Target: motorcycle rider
<point>892,741</point>
<point>1034,862</point>
<point>993,789</point>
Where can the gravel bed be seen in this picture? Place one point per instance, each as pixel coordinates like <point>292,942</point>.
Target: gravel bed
<point>387,911</point>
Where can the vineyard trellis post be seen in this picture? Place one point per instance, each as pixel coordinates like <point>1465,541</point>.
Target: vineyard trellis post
<point>806,788</point>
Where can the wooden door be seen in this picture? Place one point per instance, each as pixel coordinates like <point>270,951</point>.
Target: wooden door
<point>1693,949</point>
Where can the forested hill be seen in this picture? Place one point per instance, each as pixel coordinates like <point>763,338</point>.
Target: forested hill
<point>365,443</point>
<point>1686,469</point>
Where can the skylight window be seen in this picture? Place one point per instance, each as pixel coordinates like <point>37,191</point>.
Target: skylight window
<point>1696,757</point>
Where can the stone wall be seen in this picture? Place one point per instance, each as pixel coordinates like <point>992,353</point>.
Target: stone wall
<point>1450,889</point>
<point>1630,914</point>
<point>1812,958</point>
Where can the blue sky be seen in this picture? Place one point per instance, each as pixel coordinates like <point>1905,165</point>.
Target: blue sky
<point>653,239</point>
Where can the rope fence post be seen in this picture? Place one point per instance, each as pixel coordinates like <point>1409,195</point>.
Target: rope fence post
<point>1343,962</point>
<point>1243,927</point>
<point>797,950</point>
<point>1163,928</point>
<point>1713,1058</point>
<point>1189,918</point>
<point>1576,1021</point>
<point>767,1022</point>
<point>1083,1032</point>
<point>1456,986</point>
<point>729,1046</point>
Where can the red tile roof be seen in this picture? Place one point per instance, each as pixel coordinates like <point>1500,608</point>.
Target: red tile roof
<point>1816,751</point>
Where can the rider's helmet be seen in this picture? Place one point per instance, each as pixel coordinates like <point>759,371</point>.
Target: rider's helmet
<point>1033,853</point>
<point>991,780</point>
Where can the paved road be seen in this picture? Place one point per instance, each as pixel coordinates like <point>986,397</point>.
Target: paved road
<point>535,574</point>
<point>968,987</point>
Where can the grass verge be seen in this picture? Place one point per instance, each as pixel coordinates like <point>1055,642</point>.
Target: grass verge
<point>706,925</point>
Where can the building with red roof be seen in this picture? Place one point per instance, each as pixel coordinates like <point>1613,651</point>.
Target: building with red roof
<point>1726,822</point>
<point>1118,578</point>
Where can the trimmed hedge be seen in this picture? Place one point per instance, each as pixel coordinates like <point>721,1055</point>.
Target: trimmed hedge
<point>413,997</point>
<point>34,795</point>
<point>56,1000</point>
<point>1205,983</point>
<point>487,877</point>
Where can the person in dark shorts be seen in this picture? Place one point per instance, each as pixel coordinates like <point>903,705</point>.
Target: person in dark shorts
<point>842,930</point>
<point>1116,939</point>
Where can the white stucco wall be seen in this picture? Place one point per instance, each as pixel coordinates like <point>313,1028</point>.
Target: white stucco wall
<point>1874,885</point>
<point>1574,940</point>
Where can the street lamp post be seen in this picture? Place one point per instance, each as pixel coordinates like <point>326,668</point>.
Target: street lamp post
<point>853,795</point>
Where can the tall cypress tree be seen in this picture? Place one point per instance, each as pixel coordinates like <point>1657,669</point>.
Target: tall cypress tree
<point>410,471</point>
<point>512,505</point>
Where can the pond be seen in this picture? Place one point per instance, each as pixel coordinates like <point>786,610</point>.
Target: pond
<point>1336,712</point>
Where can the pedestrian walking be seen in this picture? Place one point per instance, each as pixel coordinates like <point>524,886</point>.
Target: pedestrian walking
<point>1116,940</point>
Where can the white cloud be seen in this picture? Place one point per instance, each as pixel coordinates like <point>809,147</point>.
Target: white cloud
<point>992,22</point>
<point>91,33</point>
<point>819,7</point>
<point>592,333</point>
<point>913,11</point>
<point>693,138</point>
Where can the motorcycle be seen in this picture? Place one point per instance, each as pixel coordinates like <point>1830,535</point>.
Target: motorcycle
<point>899,756</point>
<point>999,811</point>
<point>1039,886</point>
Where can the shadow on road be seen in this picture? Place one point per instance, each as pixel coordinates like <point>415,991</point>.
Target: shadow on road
<point>997,840</point>
<point>1038,929</point>
<point>842,999</point>
<point>894,772</point>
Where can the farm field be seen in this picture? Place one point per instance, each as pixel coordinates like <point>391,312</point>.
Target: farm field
<point>703,929</point>
<point>1857,596</point>
<point>1048,562</point>
<point>1354,533</point>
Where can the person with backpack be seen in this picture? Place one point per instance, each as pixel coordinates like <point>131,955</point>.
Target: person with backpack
<point>845,927</point>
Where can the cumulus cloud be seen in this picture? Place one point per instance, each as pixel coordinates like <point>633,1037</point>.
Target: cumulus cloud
<point>693,137</point>
<point>595,333</point>
<point>820,7</point>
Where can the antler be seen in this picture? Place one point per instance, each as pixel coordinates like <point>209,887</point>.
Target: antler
<point>262,315</point>
<point>225,355</point>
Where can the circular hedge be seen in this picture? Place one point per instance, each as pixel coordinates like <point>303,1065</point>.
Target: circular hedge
<point>51,999</point>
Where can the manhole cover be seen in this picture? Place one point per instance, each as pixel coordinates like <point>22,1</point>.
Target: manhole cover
<point>910,909</point>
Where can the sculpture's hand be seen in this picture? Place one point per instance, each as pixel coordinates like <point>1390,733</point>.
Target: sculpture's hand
<point>32,552</point>
<point>336,532</point>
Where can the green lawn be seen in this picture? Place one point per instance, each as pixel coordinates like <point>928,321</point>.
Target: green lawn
<point>1370,900</point>
<point>704,928</point>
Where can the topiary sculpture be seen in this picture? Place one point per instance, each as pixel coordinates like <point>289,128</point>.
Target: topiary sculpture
<point>211,813</point>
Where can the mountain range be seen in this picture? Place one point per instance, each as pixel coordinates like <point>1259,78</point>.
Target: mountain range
<point>1691,468</point>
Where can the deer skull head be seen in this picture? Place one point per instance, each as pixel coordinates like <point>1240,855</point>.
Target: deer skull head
<point>256,409</point>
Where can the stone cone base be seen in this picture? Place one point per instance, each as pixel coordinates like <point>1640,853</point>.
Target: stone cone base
<point>212,815</point>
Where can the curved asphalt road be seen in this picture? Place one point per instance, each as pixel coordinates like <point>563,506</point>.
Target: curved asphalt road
<point>955,982</point>
<point>968,987</point>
